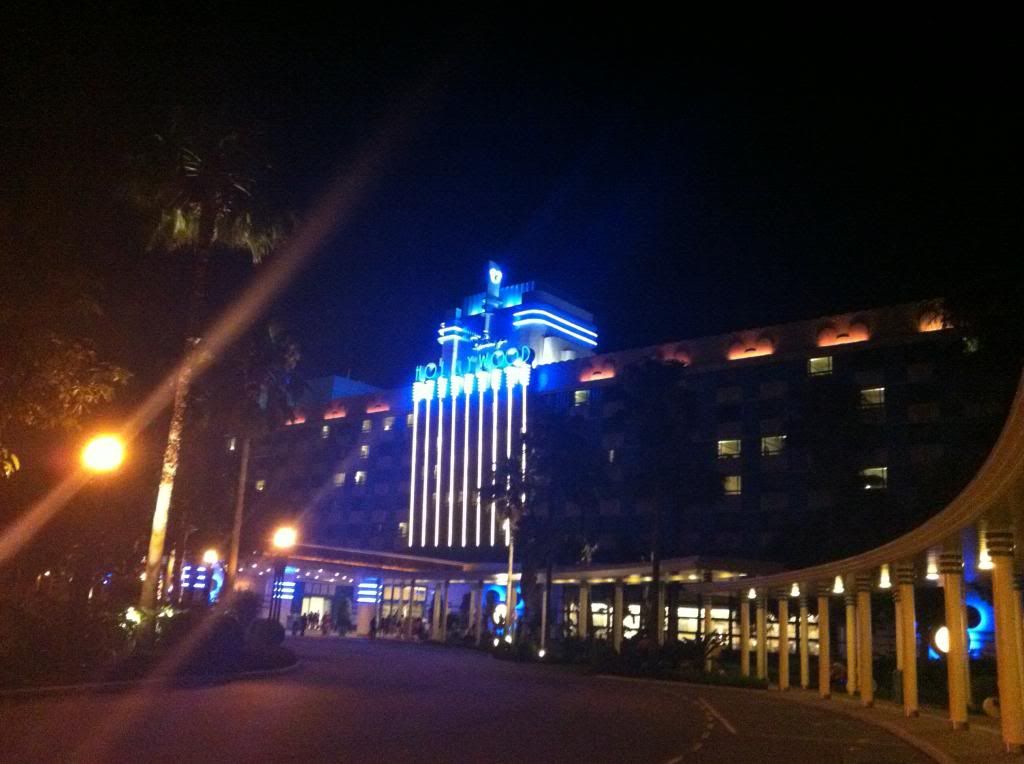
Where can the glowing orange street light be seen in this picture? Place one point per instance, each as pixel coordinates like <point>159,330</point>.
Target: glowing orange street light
<point>104,453</point>
<point>210,557</point>
<point>285,537</point>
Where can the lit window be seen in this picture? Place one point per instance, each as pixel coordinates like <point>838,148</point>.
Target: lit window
<point>325,431</point>
<point>875,478</point>
<point>367,425</point>
<point>818,367</point>
<point>361,477</point>
<point>611,456</point>
<point>403,530</point>
<point>364,451</point>
<point>389,423</point>
<point>872,397</point>
<point>580,397</point>
<point>232,442</point>
<point>729,449</point>
<point>261,485</point>
<point>339,478</point>
<point>773,445</point>
<point>732,485</point>
<point>408,420</point>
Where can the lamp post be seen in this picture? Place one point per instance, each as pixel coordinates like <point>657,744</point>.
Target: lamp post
<point>283,541</point>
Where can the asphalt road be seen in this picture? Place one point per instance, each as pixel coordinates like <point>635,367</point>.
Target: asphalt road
<point>353,700</point>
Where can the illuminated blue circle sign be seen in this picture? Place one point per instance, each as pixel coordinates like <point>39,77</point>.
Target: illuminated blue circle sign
<point>495,275</point>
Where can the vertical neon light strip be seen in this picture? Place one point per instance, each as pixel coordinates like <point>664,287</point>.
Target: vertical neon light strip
<point>456,387</point>
<point>481,382</point>
<point>467,390</point>
<point>495,389</point>
<point>510,384</point>
<point>426,464</point>
<point>442,390</point>
<point>412,473</point>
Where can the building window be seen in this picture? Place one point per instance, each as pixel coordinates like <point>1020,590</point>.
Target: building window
<point>403,530</point>
<point>773,445</point>
<point>408,420</point>
<point>872,397</point>
<point>389,423</point>
<point>325,431</point>
<point>580,397</point>
<point>875,478</point>
<point>367,425</point>
<point>611,456</point>
<point>361,477</point>
<point>232,443</point>
<point>729,449</point>
<point>339,478</point>
<point>819,367</point>
<point>261,485</point>
<point>364,451</point>
<point>732,485</point>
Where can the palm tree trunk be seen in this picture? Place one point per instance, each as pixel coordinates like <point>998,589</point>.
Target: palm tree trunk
<point>653,616</point>
<point>169,470</point>
<point>236,529</point>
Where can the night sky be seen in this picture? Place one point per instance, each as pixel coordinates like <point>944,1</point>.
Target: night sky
<point>676,181</point>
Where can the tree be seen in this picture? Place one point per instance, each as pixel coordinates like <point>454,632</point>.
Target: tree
<point>269,388</point>
<point>199,185</point>
<point>51,374</point>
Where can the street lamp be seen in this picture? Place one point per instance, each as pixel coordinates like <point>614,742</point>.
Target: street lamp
<point>283,541</point>
<point>210,558</point>
<point>104,453</point>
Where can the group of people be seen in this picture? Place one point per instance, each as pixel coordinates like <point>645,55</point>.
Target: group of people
<point>314,621</point>
<point>394,624</point>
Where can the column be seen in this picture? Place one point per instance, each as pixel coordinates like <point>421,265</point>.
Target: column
<point>864,644</point>
<point>544,616</point>
<point>744,636</point>
<point>618,607</point>
<point>444,611</point>
<point>784,641</point>
<point>824,644</point>
<point>908,636</point>
<point>708,630</point>
<point>659,615</point>
<point>673,612</point>
<point>583,611</point>
<point>1011,715</point>
<point>898,625</point>
<point>805,643</point>
<point>762,637</point>
<point>851,640</point>
<point>951,570</point>
<point>435,616</point>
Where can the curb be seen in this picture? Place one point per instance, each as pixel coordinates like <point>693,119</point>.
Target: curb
<point>918,743</point>
<point>203,680</point>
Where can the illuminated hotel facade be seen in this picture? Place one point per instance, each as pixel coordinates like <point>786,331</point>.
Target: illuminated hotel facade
<point>789,427</point>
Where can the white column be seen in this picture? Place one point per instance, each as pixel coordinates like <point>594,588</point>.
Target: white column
<point>618,605</point>
<point>744,636</point>
<point>865,657</point>
<point>908,635</point>
<point>784,641</point>
<point>583,611</point>
<point>805,643</point>
<point>659,614</point>
<point>544,616</point>
<point>851,640</point>
<point>1008,658</point>
<point>412,468</point>
<point>762,637</point>
<point>824,644</point>
<point>951,569</point>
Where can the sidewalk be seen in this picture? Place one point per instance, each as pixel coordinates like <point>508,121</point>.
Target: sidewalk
<point>930,732</point>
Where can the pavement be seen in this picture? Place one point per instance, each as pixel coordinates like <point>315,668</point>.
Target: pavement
<point>357,700</point>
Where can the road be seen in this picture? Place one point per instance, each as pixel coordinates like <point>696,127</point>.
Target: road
<point>354,700</point>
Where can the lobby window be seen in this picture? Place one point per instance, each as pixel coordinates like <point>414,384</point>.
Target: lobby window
<point>261,485</point>
<point>232,443</point>
<point>732,485</point>
<point>361,477</point>
<point>367,425</point>
<point>389,423</point>
<point>773,445</point>
<point>339,478</point>
<point>325,431</point>
<point>819,367</point>
<point>875,478</point>
<point>580,397</point>
<point>872,397</point>
<point>364,451</point>
<point>730,449</point>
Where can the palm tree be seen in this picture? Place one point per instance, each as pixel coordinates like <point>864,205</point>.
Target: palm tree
<point>200,186</point>
<point>270,388</point>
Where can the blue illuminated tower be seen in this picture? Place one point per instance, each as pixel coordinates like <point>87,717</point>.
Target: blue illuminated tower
<point>470,406</point>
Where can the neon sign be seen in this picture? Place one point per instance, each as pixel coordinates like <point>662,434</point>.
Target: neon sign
<point>489,361</point>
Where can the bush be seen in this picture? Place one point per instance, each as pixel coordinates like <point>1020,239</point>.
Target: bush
<point>246,606</point>
<point>264,634</point>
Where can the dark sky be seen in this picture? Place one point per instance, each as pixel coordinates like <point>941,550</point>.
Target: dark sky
<point>676,180</point>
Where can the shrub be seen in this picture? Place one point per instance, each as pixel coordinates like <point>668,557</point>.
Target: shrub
<point>264,634</point>
<point>246,606</point>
